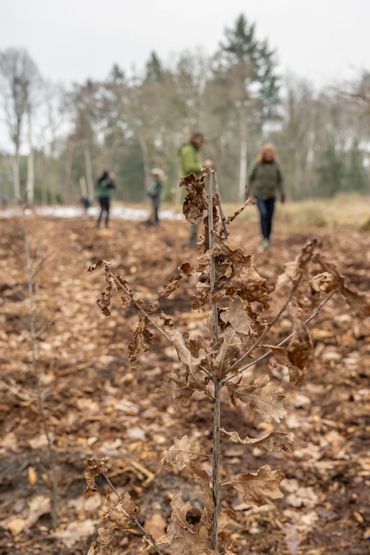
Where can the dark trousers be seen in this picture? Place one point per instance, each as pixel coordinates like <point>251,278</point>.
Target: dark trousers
<point>156,202</point>
<point>104,209</point>
<point>266,210</point>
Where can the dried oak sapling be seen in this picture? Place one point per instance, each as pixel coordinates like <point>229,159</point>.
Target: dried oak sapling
<point>225,364</point>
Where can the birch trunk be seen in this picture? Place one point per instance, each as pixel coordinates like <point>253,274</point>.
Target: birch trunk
<point>30,189</point>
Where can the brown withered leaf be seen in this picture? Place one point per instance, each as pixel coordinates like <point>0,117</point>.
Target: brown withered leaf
<point>183,538</point>
<point>271,441</point>
<point>236,275</point>
<point>117,518</point>
<point>359,302</point>
<point>185,269</point>
<point>239,318</point>
<point>184,354</point>
<point>323,283</point>
<point>300,346</point>
<point>293,271</point>
<point>260,487</point>
<point>141,340</point>
<point>94,468</point>
<point>182,452</point>
<point>203,478</point>
<point>262,395</point>
<point>195,202</point>
<point>97,264</point>
<point>281,356</point>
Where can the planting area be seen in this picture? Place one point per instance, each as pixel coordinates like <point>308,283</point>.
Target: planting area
<point>95,405</point>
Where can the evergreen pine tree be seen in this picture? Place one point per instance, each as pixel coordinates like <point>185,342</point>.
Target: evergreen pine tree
<point>243,48</point>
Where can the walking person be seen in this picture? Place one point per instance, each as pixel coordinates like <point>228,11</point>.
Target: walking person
<point>191,162</point>
<point>104,191</point>
<point>155,193</point>
<point>265,183</point>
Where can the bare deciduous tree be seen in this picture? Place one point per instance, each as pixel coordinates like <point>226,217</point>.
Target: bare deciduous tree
<point>19,78</point>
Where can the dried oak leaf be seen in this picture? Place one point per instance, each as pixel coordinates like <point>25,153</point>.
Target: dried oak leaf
<point>117,518</point>
<point>183,538</point>
<point>240,319</point>
<point>195,202</point>
<point>359,302</point>
<point>94,468</point>
<point>240,324</point>
<point>281,356</point>
<point>262,395</point>
<point>185,269</point>
<point>111,280</point>
<point>182,452</point>
<point>271,441</point>
<point>203,478</point>
<point>141,340</point>
<point>323,283</point>
<point>300,346</point>
<point>258,488</point>
<point>294,271</point>
<point>236,275</point>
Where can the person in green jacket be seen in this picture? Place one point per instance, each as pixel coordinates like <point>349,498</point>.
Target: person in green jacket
<point>104,191</point>
<point>155,193</point>
<point>191,162</point>
<point>265,182</point>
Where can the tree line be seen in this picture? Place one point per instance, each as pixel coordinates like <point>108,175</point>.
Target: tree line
<point>60,138</point>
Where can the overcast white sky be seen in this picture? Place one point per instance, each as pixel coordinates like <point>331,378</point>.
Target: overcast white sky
<point>74,39</point>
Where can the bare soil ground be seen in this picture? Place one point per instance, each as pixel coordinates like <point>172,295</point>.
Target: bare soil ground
<point>97,406</point>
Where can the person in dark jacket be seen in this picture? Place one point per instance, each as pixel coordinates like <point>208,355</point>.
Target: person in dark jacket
<point>104,191</point>
<point>191,162</point>
<point>265,182</point>
<point>155,193</point>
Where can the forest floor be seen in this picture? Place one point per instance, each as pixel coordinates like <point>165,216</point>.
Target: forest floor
<point>97,406</point>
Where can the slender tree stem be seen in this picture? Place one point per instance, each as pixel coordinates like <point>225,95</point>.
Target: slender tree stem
<point>220,207</point>
<point>217,382</point>
<point>212,265</point>
<point>38,378</point>
<point>216,463</point>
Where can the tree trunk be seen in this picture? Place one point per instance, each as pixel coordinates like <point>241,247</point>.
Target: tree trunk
<point>16,176</point>
<point>88,169</point>
<point>144,151</point>
<point>68,173</point>
<point>30,190</point>
<point>243,173</point>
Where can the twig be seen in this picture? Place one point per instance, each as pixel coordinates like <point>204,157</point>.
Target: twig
<point>17,393</point>
<point>259,339</point>
<point>220,207</point>
<point>138,307</point>
<point>145,533</point>
<point>212,264</point>
<point>313,314</point>
<point>38,376</point>
<point>216,463</point>
<point>143,313</point>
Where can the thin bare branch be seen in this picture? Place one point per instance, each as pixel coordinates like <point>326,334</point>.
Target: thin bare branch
<point>260,339</point>
<point>145,533</point>
<point>313,314</point>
